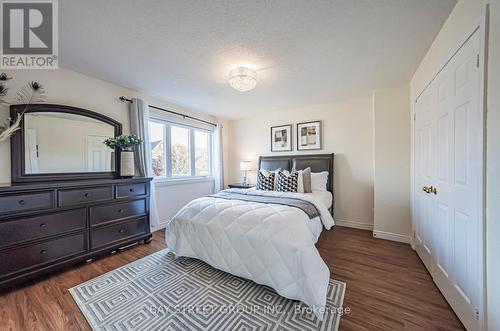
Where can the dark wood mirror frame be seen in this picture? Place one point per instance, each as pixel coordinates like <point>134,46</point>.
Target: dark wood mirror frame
<point>18,174</point>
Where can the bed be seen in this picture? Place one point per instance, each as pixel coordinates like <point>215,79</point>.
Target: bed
<point>266,236</point>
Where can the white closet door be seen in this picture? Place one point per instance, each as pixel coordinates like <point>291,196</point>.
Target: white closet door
<point>424,170</point>
<point>448,144</point>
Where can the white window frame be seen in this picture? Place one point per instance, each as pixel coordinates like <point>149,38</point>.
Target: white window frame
<point>168,178</point>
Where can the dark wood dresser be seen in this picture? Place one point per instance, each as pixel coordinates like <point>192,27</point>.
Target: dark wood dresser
<point>46,226</point>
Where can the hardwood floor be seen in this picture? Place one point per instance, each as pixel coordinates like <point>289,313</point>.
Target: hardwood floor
<point>388,287</point>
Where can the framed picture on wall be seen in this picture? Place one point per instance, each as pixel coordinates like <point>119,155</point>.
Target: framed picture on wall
<point>281,138</point>
<point>308,135</point>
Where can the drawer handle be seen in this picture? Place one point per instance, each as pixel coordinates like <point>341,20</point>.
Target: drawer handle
<point>86,194</point>
<point>43,252</point>
<point>121,230</point>
<point>120,211</point>
<point>42,225</point>
<point>131,190</point>
<point>21,202</point>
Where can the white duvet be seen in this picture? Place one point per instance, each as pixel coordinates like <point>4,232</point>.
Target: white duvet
<point>270,244</point>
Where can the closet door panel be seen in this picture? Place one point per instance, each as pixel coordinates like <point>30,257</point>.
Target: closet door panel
<point>448,144</point>
<point>444,169</point>
<point>424,170</point>
<point>467,179</point>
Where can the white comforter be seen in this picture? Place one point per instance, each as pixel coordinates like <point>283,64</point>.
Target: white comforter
<point>268,243</point>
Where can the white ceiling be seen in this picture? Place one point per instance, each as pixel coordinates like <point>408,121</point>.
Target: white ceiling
<point>305,51</point>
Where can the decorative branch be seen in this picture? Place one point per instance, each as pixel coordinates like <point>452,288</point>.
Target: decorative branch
<point>3,90</point>
<point>30,93</point>
<point>4,77</point>
<point>8,131</point>
<point>33,92</point>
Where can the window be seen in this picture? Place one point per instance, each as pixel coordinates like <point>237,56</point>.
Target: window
<point>157,135</point>
<point>180,151</point>
<point>201,150</point>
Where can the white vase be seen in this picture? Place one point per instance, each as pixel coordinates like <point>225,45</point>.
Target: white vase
<point>127,163</point>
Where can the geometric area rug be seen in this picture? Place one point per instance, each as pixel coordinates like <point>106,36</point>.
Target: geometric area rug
<point>159,292</point>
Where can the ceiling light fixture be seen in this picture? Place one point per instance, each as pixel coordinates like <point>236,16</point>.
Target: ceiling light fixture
<point>243,79</point>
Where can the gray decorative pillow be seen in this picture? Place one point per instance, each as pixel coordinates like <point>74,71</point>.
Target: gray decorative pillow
<point>306,179</point>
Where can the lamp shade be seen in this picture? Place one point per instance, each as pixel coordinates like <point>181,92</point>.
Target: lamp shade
<point>245,165</point>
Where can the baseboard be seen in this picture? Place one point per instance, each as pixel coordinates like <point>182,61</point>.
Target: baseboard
<point>391,236</point>
<point>354,224</point>
<point>412,243</point>
<point>157,228</point>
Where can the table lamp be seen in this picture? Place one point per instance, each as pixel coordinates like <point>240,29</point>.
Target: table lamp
<point>245,166</point>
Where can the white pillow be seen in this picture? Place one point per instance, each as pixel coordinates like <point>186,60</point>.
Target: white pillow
<point>319,180</point>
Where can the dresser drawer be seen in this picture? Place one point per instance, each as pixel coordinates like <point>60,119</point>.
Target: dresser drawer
<point>68,197</point>
<point>118,232</point>
<point>37,227</point>
<point>26,202</point>
<point>35,255</point>
<point>115,211</point>
<point>130,190</point>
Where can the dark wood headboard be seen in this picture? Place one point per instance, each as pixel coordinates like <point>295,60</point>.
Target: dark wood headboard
<point>317,162</point>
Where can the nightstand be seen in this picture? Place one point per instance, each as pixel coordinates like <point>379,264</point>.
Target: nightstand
<point>240,185</point>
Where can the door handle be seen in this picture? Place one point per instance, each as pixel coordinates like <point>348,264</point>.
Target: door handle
<point>429,189</point>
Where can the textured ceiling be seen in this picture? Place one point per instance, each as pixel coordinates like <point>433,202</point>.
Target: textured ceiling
<point>305,51</point>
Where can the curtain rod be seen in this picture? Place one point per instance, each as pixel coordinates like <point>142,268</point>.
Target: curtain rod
<point>123,99</point>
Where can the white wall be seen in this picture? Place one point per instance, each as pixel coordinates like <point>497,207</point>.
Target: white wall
<point>74,89</point>
<point>461,22</point>
<point>391,139</point>
<point>370,137</point>
<point>347,132</point>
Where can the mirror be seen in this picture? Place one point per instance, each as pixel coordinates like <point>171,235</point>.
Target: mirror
<point>57,142</point>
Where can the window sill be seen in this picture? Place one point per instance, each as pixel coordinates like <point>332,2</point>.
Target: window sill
<point>181,181</point>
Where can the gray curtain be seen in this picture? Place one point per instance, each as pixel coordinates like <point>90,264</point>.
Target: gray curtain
<point>139,125</point>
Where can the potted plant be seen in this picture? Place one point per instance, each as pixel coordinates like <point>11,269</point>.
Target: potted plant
<point>125,144</point>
